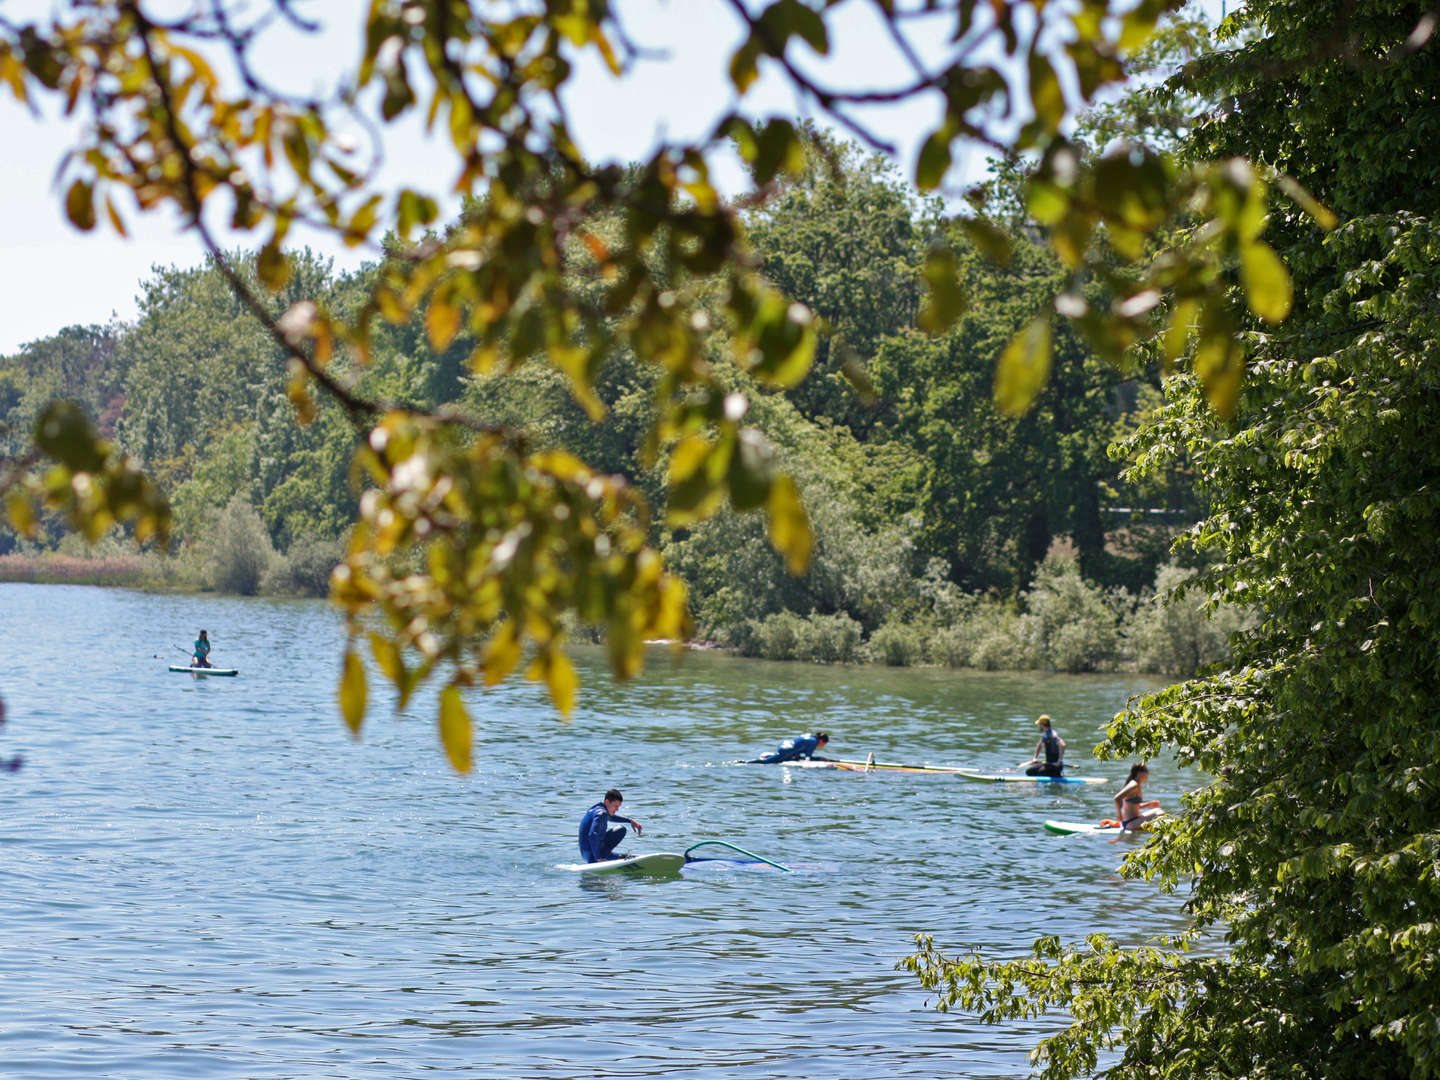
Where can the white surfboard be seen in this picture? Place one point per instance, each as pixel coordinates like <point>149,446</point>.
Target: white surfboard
<point>652,862</point>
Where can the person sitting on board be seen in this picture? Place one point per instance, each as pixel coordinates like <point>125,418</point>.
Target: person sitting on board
<point>597,843</point>
<point>202,651</point>
<point>1052,746</point>
<point>795,749</point>
<point>1131,809</point>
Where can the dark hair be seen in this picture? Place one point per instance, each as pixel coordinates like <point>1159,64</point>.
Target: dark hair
<point>1137,769</point>
<point>614,793</point>
<point>822,735</point>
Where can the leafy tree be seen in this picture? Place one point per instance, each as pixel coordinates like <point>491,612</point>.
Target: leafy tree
<point>517,542</point>
<point>1312,852</point>
<point>846,237</point>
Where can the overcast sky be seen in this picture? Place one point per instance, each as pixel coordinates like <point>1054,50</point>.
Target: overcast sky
<point>52,276</point>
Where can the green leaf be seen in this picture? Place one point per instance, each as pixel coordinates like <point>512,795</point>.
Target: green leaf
<point>455,730</point>
<point>752,470</point>
<point>1024,367</point>
<point>80,205</point>
<point>272,266</point>
<point>992,241</point>
<point>1268,289</point>
<point>65,433</point>
<point>789,525</point>
<point>745,64</point>
<point>947,300</point>
<point>934,160</point>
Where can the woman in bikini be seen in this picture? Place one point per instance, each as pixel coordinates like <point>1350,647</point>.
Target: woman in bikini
<point>1131,809</point>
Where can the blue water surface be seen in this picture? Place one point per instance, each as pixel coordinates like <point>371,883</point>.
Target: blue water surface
<point>210,878</point>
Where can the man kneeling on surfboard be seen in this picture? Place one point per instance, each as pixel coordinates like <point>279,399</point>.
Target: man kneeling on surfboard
<point>794,749</point>
<point>1052,746</point>
<point>597,843</point>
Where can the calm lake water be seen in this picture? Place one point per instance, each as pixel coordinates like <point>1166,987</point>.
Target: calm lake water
<point>209,878</point>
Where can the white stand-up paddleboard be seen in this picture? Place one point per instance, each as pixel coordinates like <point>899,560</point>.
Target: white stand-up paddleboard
<point>1091,828</point>
<point>653,862</point>
<point>205,670</point>
<point>1021,778</point>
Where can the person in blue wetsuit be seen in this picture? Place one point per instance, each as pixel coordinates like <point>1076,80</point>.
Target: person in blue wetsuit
<point>202,651</point>
<point>597,841</point>
<point>1052,746</point>
<point>803,747</point>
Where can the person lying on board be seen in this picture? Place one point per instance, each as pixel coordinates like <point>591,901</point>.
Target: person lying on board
<point>597,842</point>
<point>796,749</point>
<point>202,651</point>
<point>1053,748</point>
<point>1131,808</point>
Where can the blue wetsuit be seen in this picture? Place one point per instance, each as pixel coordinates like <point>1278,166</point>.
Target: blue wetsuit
<point>597,843</point>
<point>790,750</point>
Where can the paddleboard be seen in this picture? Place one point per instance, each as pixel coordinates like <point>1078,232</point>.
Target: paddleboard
<point>1021,778</point>
<point>877,766</point>
<point>653,863</point>
<point>1090,828</point>
<point>206,670</point>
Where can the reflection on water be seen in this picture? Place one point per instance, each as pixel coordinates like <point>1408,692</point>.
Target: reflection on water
<point>208,878</point>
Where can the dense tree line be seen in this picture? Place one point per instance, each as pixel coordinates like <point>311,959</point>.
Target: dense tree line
<point>915,484</point>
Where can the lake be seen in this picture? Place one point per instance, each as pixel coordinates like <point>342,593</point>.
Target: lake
<point>210,878</point>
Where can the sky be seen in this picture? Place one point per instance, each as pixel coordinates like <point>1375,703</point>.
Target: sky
<point>52,275</point>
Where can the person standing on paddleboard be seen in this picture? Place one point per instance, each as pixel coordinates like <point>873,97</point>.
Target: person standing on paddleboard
<point>597,842</point>
<point>1052,746</point>
<point>202,651</point>
<point>795,749</point>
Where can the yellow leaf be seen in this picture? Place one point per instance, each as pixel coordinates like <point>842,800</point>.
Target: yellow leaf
<point>388,657</point>
<point>502,653</point>
<point>790,525</point>
<point>560,677</point>
<point>1220,367</point>
<point>1268,290</point>
<point>442,323</point>
<point>455,729</point>
<point>1177,334</point>
<point>21,514</point>
<point>353,693</point>
<point>1024,367</point>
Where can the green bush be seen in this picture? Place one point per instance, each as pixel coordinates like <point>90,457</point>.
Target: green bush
<point>778,636</point>
<point>304,570</point>
<point>239,549</point>
<point>1071,624</point>
<point>828,639</point>
<point>895,645</point>
<point>1172,633</point>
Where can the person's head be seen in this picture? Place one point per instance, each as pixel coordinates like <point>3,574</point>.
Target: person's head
<point>202,633</point>
<point>1138,771</point>
<point>1043,722</point>
<point>821,738</point>
<point>613,799</point>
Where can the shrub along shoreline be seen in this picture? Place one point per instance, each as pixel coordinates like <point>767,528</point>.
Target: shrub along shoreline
<point>1061,623</point>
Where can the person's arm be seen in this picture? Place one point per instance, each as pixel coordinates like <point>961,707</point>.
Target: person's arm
<point>1034,755</point>
<point>633,824</point>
